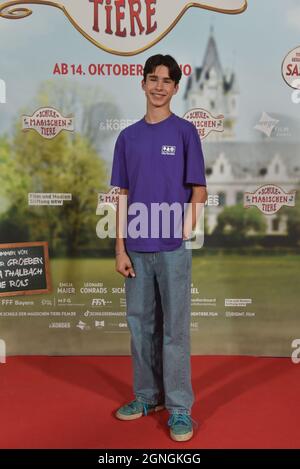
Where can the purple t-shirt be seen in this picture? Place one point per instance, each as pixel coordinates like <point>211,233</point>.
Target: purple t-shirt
<point>157,163</point>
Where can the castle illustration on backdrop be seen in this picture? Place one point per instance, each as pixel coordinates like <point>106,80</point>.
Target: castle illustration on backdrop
<point>234,167</point>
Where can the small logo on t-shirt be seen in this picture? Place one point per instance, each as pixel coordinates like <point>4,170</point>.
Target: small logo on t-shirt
<point>168,150</point>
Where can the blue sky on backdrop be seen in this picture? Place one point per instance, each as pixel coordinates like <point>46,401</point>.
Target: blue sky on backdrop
<point>254,42</point>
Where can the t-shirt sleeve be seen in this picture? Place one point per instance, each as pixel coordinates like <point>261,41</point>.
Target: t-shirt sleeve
<point>119,175</point>
<point>194,168</point>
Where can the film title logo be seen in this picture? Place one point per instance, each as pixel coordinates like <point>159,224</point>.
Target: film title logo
<point>205,122</point>
<point>124,27</point>
<point>269,199</point>
<point>291,68</point>
<point>110,197</point>
<point>48,122</point>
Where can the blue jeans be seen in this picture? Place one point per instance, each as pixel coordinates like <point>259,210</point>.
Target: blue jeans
<point>158,315</point>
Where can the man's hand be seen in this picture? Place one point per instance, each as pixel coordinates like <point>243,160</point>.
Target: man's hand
<point>124,265</point>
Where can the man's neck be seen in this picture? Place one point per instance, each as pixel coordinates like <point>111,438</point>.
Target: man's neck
<point>155,115</point>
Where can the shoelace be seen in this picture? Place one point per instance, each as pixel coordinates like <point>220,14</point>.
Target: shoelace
<point>134,405</point>
<point>145,409</point>
<point>181,418</point>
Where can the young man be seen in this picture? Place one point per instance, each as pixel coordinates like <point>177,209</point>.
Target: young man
<point>159,160</point>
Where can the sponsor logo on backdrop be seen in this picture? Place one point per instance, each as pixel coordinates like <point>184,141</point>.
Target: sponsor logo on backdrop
<point>269,199</point>
<point>99,302</point>
<point>2,351</point>
<point>205,122</point>
<point>48,122</point>
<point>205,314</point>
<point>239,314</point>
<point>104,313</point>
<point>83,326</point>
<point>124,27</point>
<point>51,198</point>
<point>99,324</point>
<point>237,302</point>
<point>6,301</point>
<point>291,68</point>
<point>203,301</point>
<point>266,124</point>
<point>122,324</point>
<point>59,325</point>
<point>2,92</point>
<point>269,126</point>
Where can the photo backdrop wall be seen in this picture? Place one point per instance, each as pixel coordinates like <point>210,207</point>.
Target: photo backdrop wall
<point>70,81</point>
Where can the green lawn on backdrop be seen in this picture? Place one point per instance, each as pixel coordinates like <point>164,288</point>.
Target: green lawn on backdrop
<point>272,282</point>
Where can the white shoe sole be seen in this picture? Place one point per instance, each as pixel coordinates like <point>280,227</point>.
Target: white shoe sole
<point>185,437</point>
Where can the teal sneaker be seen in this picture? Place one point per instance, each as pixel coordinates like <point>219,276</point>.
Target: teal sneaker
<point>136,409</point>
<point>181,427</point>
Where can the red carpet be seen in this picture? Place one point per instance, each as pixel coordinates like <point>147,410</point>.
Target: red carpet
<point>68,402</point>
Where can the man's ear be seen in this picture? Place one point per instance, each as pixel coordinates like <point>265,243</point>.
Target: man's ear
<point>176,88</point>
<point>143,84</point>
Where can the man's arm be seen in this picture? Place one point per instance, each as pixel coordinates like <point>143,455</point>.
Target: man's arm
<point>199,196</point>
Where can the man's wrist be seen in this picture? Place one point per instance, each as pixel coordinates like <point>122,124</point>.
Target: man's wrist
<point>119,251</point>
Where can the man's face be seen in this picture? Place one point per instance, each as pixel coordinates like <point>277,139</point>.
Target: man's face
<point>158,87</point>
